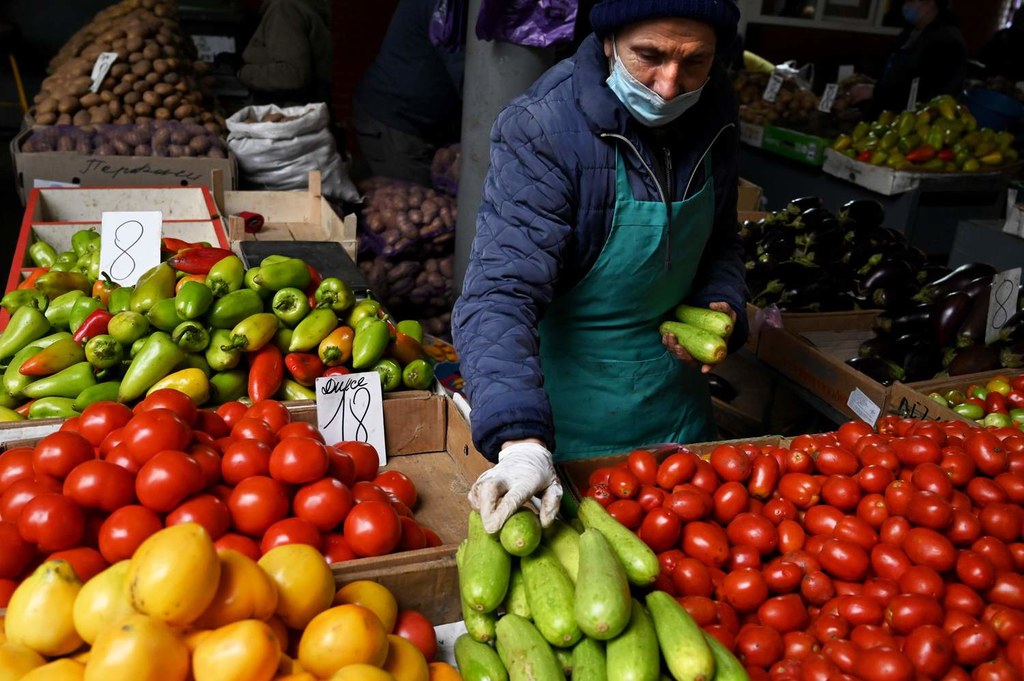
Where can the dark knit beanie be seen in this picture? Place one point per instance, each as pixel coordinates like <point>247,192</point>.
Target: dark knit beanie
<point>610,15</point>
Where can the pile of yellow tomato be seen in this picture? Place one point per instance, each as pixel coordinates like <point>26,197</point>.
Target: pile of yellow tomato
<point>180,609</point>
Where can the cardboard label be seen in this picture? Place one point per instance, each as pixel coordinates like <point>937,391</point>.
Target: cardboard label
<point>912,99</point>
<point>100,68</point>
<point>351,407</point>
<point>1002,302</point>
<point>771,91</point>
<point>845,71</point>
<point>828,98</point>
<point>446,635</point>
<point>751,134</point>
<point>863,407</point>
<point>130,244</point>
<point>47,184</point>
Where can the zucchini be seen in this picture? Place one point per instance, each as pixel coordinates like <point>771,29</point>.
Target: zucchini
<point>682,642</point>
<point>478,661</point>
<point>633,655</point>
<point>640,562</point>
<point>564,540</point>
<point>603,602</point>
<point>712,321</point>
<point>485,568</point>
<point>549,592</point>
<point>703,346</point>
<point>588,661</point>
<point>515,600</point>
<point>525,653</point>
<point>521,533</point>
<point>564,657</point>
<point>727,667</point>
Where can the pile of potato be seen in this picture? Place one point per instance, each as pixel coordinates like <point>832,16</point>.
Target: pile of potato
<point>148,138</point>
<point>444,169</point>
<point>156,76</point>
<point>415,290</point>
<point>793,106</point>
<point>399,217</point>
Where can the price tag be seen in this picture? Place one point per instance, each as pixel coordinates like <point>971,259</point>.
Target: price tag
<point>771,91</point>
<point>446,635</point>
<point>828,98</point>
<point>845,71</point>
<point>129,244</point>
<point>751,134</point>
<point>1002,302</point>
<point>912,99</point>
<point>351,407</point>
<point>100,68</point>
<point>863,407</point>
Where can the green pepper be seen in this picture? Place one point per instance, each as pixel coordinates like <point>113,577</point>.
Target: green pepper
<point>54,284</point>
<point>334,294</point>
<point>842,143</point>
<point>195,360</point>
<point>158,356</point>
<point>193,300</point>
<point>164,315</point>
<point>290,305</point>
<point>411,328</point>
<point>103,351</point>
<point>253,332</point>
<point>127,327</point>
<point>191,336</point>
<point>155,285</point>
<point>64,262</point>
<point>9,401</point>
<point>906,123</point>
<point>313,329</point>
<point>14,381</point>
<point>860,130</point>
<point>283,338</point>
<point>218,358</point>
<point>969,410</point>
<point>54,358</point>
<point>24,296</point>
<point>82,308</point>
<point>228,386</point>
<point>293,391</point>
<point>418,375</point>
<point>8,414</point>
<point>290,272</point>
<point>935,137</point>
<point>886,117</point>
<point>272,259</point>
<point>136,347</point>
<point>226,312</point>
<point>26,325</point>
<point>250,282</point>
<point>226,276</point>
<point>369,344</point>
<point>101,392</point>
<point>47,341</point>
<point>85,241</point>
<point>89,265</point>
<point>889,140</point>
<point>364,308</point>
<point>52,408</point>
<point>66,383</point>
<point>390,374</point>
<point>42,254</point>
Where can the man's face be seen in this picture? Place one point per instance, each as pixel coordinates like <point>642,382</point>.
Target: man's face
<point>670,56</point>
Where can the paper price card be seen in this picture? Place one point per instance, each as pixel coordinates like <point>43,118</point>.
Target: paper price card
<point>351,407</point>
<point>912,99</point>
<point>1002,302</point>
<point>828,98</point>
<point>845,71</point>
<point>771,91</point>
<point>100,68</point>
<point>863,407</point>
<point>130,244</point>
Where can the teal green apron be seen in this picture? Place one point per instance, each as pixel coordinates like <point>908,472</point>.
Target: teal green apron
<point>612,384</point>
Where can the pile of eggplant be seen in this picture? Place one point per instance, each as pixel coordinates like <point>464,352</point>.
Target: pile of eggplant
<point>941,331</point>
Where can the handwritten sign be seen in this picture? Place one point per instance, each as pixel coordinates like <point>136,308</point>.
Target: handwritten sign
<point>845,71</point>
<point>1002,302</point>
<point>446,635</point>
<point>130,244</point>
<point>351,407</point>
<point>828,98</point>
<point>912,99</point>
<point>771,91</point>
<point>100,68</point>
<point>863,407</point>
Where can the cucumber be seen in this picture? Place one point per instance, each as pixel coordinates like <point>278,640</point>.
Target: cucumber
<point>521,533</point>
<point>485,568</point>
<point>525,653</point>
<point>633,654</point>
<point>478,661</point>
<point>711,321</point>
<point>564,657</point>
<point>588,663</point>
<point>637,558</point>
<point>727,667</point>
<point>686,653</point>
<point>479,625</point>
<point>603,602</point>
<point>564,540</point>
<point>549,592</point>
<point>703,346</point>
<point>516,602</point>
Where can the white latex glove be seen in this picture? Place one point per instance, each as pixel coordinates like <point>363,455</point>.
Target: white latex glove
<point>524,470</point>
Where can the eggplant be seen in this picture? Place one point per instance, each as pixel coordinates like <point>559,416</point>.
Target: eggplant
<point>973,360</point>
<point>890,274</point>
<point>779,245</point>
<point>929,274</point>
<point>863,212</point>
<point>922,361</point>
<point>721,388</point>
<point>915,320</point>
<point>972,330</point>
<point>955,280</point>
<point>979,288</point>
<point>948,314</point>
<point>1013,329</point>
<point>815,218</point>
<point>896,297</point>
<point>1011,355</point>
<point>878,369</point>
<point>798,206</point>
<point>876,346</point>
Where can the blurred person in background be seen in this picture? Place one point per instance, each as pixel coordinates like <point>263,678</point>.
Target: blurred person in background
<point>1003,55</point>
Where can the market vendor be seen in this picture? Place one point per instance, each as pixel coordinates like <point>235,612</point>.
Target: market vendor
<point>610,199</point>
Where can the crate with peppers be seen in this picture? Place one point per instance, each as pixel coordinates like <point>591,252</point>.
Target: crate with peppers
<point>941,136</point>
<point>198,322</point>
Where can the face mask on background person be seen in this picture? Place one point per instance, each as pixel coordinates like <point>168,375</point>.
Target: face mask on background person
<point>646,105</point>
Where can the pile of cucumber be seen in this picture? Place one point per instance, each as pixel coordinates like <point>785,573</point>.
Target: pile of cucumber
<point>703,332</point>
<point>547,605</point>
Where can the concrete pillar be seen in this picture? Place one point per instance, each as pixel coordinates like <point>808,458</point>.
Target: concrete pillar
<point>496,72</point>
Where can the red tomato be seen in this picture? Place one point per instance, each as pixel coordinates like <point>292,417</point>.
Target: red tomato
<point>342,466</point>
<point>928,509</point>
<point>930,477</point>
<point>123,531</point>
<point>994,670</point>
<point>650,497</point>
<point>778,509</point>
<point>958,466</point>
<point>121,456</point>
<point>52,522</point>
<point>841,492</point>
<point>705,542</point>
<point>964,529</point>
<point>689,504</point>
<point>974,644</point>
<point>414,627</point>
<point>987,452</point>
<point>1002,521</point>
<point>300,429</point>
<point>600,476</point>
<point>172,400</point>
<point>601,494</point>
<point>700,608</point>
<point>100,419</point>
<point>231,412</point>
<point>413,536</point>
<point>298,460</point>
<point>906,612</point>
<point>244,458</point>
<point>336,549</point>
<point>923,581</point>
<point>271,412</point>
<point>730,464</point>
<point>206,510</point>
<point>623,484</point>
<point>850,433</point>
<point>744,589</point>
<point>644,466</point>
<point>691,578</point>
<point>153,431</point>
<point>729,500</point>
<point>628,512</point>
<point>844,559</point>
<point>291,531</point>
<point>15,464</point>
<point>100,484</point>
<point>916,449</point>
<point>764,476</point>
<point>209,462</point>
<point>822,519</point>
<point>166,479</point>
<point>759,646</point>
<point>256,503</point>
<point>879,664</point>
<point>861,610</point>
<point>781,576</point>
<point>676,469</point>
<point>784,613</point>
<point>324,503</point>
<point>58,453</point>
<point>975,570</point>
<point>212,423</point>
<point>836,461</point>
<point>364,456</point>
<point>372,529</point>
<point>798,645</point>
<point>928,547</point>
<point>995,551</point>
<point>801,489</point>
<point>817,587</point>
<point>238,542</point>
<point>705,477</point>
<point>851,528</point>
<point>660,529</point>
<point>367,491</point>
<point>962,597</point>
<point>84,560</point>
<point>17,553</point>
<point>753,530</point>
<point>841,652</point>
<point>930,650</point>
<point>898,496</point>
<point>21,492</point>
<point>1012,484</point>
<point>1007,590</point>
<point>249,428</point>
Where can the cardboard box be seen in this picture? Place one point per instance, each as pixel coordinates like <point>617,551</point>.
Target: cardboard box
<point>890,182</point>
<point>89,170</point>
<point>797,146</point>
<point>748,196</point>
<point>911,400</point>
<point>757,319</point>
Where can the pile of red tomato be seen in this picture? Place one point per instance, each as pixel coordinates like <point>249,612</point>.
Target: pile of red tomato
<point>893,555</point>
<point>255,479</point>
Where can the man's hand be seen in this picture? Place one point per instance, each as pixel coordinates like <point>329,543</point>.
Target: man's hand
<point>525,470</point>
<point>680,352</point>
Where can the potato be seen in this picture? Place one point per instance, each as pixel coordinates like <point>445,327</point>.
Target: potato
<point>161,137</point>
<point>47,106</point>
<point>79,86</point>
<point>216,152</point>
<point>67,104</point>
<point>89,100</point>
<point>48,118</point>
<point>122,148</point>
<point>140,86</point>
<point>106,96</point>
<point>65,143</point>
<point>133,43</point>
<point>141,67</point>
<point>172,78</point>
<point>152,78</point>
<point>143,150</point>
<point>143,109</point>
<point>162,113</point>
<point>199,144</point>
<point>134,58</point>
<point>151,51</point>
<point>99,114</point>
<point>162,89</point>
<point>183,111</point>
<point>415,216</point>
<point>175,150</point>
<point>151,98</point>
<point>104,150</point>
<point>83,146</point>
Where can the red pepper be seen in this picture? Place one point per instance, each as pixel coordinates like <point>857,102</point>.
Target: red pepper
<point>172,245</point>
<point>864,156</point>
<point>305,367</point>
<point>921,154</point>
<point>314,281</point>
<point>94,325</point>
<point>33,274</point>
<point>102,288</point>
<point>337,371</point>
<point>946,155</point>
<point>198,260</point>
<point>266,372</point>
<point>23,409</point>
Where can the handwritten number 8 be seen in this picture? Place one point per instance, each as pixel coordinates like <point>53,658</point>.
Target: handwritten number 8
<point>124,232</point>
<point>1003,294</point>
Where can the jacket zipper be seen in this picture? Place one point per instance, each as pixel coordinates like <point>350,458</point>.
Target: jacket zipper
<point>668,208</point>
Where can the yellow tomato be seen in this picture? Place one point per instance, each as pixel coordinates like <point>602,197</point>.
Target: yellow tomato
<point>192,637</point>
<point>405,661</point>
<point>361,672</point>
<point>103,601</point>
<point>240,651</point>
<point>999,384</point>
<point>373,596</point>
<point>280,631</point>
<point>344,635</point>
<point>58,670</point>
<point>39,614</point>
<point>442,671</point>
<point>3,636</point>
<point>17,660</point>
<point>141,648</point>
<point>173,575</point>
<point>305,585</point>
<point>244,592</point>
<point>288,665</point>
<point>298,676</point>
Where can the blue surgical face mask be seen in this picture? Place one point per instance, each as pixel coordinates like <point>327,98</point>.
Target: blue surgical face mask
<point>911,13</point>
<point>646,105</point>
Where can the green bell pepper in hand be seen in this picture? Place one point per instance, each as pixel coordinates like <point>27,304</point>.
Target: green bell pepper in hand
<point>335,294</point>
<point>157,357</point>
<point>193,300</point>
<point>313,329</point>
<point>26,325</point>
<point>69,382</point>
<point>217,357</point>
<point>290,305</point>
<point>164,315</point>
<point>104,351</point>
<point>24,296</point>
<point>127,327</point>
<point>253,332</point>
<point>191,336</point>
<point>155,285</point>
<point>228,311</point>
<point>226,276</point>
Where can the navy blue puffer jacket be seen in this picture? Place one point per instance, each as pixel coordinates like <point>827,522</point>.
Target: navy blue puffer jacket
<point>546,213</point>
